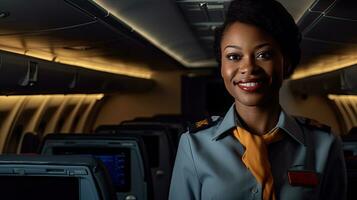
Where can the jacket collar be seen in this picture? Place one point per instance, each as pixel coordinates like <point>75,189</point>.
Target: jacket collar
<point>228,122</point>
<point>285,122</point>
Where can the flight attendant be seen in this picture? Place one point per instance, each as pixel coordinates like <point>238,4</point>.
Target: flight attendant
<point>257,151</point>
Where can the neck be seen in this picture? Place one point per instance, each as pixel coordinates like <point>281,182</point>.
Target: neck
<point>259,119</point>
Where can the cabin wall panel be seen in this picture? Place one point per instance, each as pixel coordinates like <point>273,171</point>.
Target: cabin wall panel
<point>43,114</point>
<point>8,124</point>
<point>70,119</point>
<point>85,117</point>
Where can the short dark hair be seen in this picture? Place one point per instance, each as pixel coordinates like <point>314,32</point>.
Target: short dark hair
<point>270,16</point>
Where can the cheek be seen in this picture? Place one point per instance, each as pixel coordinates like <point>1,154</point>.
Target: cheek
<point>226,76</point>
<point>227,72</point>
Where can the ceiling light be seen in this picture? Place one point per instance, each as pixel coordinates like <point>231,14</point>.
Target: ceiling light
<point>327,63</point>
<point>128,69</point>
<point>79,48</point>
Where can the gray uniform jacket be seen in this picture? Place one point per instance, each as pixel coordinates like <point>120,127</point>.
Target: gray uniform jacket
<point>208,163</point>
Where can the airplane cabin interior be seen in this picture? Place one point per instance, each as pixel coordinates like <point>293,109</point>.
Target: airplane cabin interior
<point>95,94</point>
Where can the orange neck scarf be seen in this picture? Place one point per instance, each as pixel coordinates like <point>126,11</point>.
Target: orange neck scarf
<point>256,157</point>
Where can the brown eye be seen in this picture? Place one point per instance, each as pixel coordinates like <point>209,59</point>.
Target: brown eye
<point>265,55</point>
<point>233,57</point>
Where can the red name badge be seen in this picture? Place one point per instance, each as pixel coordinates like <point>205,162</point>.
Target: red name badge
<point>303,178</point>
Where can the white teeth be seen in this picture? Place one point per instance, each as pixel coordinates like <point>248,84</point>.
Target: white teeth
<point>249,84</point>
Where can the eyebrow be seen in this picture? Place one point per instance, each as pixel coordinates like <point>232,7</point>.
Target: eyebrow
<point>233,46</point>
<point>240,48</point>
<point>262,45</point>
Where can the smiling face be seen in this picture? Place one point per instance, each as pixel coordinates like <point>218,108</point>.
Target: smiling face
<point>251,65</point>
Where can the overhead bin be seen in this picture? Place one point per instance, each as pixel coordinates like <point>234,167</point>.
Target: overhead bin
<point>22,18</point>
<point>21,74</point>
<point>341,81</point>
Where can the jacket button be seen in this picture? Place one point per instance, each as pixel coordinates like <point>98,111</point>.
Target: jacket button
<point>254,190</point>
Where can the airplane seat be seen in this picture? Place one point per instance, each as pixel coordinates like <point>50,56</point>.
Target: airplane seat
<point>170,118</point>
<point>175,129</point>
<point>161,152</point>
<point>180,122</point>
<point>30,143</point>
<point>352,131</point>
<point>53,177</point>
<point>349,143</point>
<point>106,129</point>
<point>177,122</point>
<point>123,155</point>
<point>351,165</point>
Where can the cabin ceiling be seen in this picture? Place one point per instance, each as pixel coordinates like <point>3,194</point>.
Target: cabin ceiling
<point>144,35</point>
<point>329,27</point>
<point>183,29</point>
<point>84,35</point>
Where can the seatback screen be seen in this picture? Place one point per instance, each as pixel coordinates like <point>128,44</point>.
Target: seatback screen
<point>116,160</point>
<point>39,188</point>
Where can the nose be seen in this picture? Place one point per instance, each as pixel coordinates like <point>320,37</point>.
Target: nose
<point>248,66</point>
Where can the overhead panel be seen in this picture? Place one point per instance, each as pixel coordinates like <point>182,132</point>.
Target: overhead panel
<point>331,22</point>
<point>329,37</point>
<point>72,37</point>
<point>204,17</point>
<point>339,10</point>
<point>337,24</point>
<point>161,23</point>
<point>100,42</point>
<point>323,30</point>
<point>39,15</point>
<point>80,33</point>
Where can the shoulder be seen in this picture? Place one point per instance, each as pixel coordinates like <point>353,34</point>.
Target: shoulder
<point>312,125</point>
<point>203,125</point>
<point>201,131</point>
<point>319,135</point>
<point>198,135</point>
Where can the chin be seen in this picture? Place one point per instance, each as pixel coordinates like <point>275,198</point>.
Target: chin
<point>250,102</point>
<point>262,98</point>
<point>255,99</point>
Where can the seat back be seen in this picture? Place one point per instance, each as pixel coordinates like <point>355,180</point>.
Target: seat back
<point>123,156</point>
<point>161,152</point>
<point>53,177</point>
<point>350,153</point>
<point>30,143</point>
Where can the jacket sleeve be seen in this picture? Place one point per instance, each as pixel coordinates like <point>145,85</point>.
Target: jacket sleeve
<point>185,183</point>
<point>334,185</point>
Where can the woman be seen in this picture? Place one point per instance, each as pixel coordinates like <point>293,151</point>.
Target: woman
<point>257,151</point>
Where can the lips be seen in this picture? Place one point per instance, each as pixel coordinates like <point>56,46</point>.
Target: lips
<point>251,85</point>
